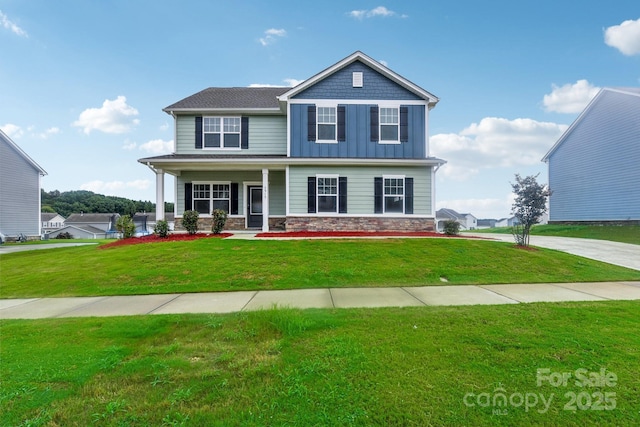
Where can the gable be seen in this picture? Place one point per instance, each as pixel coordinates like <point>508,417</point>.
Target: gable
<point>339,85</point>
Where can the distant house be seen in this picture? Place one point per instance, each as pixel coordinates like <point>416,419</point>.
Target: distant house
<point>594,168</point>
<point>89,226</point>
<point>19,192</point>
<point>487,223</point>
<point>51,221</point>
<point>507,222</point>
<point>466,220</point>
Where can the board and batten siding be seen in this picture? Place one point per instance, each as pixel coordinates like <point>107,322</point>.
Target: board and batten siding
<point>276,187</point>
<point>267,135</point>
<point>360,190</point>
<point>594,174</point>
<point>19,194</point>
<point>358,142</point>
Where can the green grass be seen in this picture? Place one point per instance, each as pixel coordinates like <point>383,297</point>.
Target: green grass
<point>391,366</point>
<point>232,265</point>
<point>615,233</point>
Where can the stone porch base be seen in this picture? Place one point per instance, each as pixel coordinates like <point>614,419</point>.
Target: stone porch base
<point>235,223</point>
<point>337,223</point>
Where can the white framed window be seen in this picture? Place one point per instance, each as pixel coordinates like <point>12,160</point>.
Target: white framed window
<point>327,193</point>
<point>389,124</point>
<point>221,132</point>
<point>326,122</point>
<point>393,194</point>
<point>208,197</point>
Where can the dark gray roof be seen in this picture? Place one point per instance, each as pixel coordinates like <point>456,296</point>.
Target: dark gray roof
<point>47,216</point>
<point>231,98</point>
<point>90,218</point>
<point>211,156</point>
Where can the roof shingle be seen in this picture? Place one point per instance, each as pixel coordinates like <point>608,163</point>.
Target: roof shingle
<point>231,98</point>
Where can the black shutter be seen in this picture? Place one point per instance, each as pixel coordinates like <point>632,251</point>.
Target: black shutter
<point>234,199</point>
<point>311,194</point>
<point>311,123</point>
<point>377,195</point>
<point>244,133</point>
<point>188,196</point>
<point>373,119</point>
<point>342,190</point>
<point>408,195</point>
<point>341,123</point>
<point>404,124</point>
<point>199,132</point>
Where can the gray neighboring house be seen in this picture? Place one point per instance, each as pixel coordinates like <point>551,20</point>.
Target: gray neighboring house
<point>89,226</point>
<point>19,192</point>
<point>466,220</point>
<point>51,222</point>
<point>594,168</point>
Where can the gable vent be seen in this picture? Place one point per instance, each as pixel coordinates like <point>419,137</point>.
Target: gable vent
<point>357,79</point>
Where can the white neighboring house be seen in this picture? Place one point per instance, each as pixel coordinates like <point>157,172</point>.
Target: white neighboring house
<point>466,220</point>
<point>19,192</point>
<point>89,226</point>
<point>51,221</point>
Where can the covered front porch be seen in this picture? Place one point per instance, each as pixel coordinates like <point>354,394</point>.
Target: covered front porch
<point>252,194</point>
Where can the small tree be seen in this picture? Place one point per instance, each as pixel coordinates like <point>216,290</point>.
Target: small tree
<point>219,220</point>
<point>125,225</point>
<point>190,221</point>
<point>529,206</point>
<point>161,229</point>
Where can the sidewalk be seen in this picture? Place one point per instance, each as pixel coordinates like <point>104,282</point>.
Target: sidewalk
<point>227,302</point>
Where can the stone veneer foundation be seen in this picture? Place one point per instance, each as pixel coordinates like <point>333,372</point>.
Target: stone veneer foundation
<point>233,223</point>
<point>336,223</point>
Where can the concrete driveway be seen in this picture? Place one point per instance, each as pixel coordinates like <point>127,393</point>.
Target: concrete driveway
<point>622,254</point>
<point>7,249</point>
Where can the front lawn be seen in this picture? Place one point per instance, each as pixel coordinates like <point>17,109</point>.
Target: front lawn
<point>233,265</point>
<point>615,233</point>
<point>482,365</point>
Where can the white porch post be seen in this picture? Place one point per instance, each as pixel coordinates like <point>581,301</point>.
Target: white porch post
<point>265,200</point>
<point>159,194</point>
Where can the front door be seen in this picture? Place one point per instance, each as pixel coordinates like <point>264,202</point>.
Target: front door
<point>254,206</point>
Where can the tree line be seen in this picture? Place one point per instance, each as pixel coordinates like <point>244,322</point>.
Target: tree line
<point>67,202</point>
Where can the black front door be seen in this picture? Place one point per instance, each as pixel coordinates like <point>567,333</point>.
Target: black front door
<point>254,206</point>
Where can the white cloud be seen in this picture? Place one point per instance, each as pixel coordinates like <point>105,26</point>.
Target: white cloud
<point>47,133</point>
<point>293,82</point>
<point>12,131</point>
<point>271,36</point>
<point>129,145</point>
<point>287,83</point>
<point>570,98</point>
<point>494,143</point>
<point>624,37</point>
<point>158,146</point>
<point>164,127</point>
<point>112,187</point>
<point>113,117</point>
<point>372,13</point>
<point>6,23</point>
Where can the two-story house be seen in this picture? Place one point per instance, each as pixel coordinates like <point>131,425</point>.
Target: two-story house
<point>346,149</point>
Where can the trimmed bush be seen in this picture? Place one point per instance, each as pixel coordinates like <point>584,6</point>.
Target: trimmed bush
<point>161,229</point>
<point>451,227</point>
<point>64,235</point>
<point>219,220</point>
<point>125,225</point>
<point>190,221</point>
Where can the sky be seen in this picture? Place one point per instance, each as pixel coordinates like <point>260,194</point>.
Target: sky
<point>83,83</point>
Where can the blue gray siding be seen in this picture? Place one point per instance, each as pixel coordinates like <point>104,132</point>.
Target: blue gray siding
<point>594,172</point>
<point>339,85</point>
<point>19,193</point>
<point>358,142</point>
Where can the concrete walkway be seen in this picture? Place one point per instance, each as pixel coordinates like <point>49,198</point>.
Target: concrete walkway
<point>622,254</point>
<point>226,302</point>
<point>7,249</point>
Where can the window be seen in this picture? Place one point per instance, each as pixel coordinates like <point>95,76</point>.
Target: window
<point>326,123</point>
<point>209,197</point>
<point>394,195</point>
<point>221,132</point>
<point>327,194</point>
<point>389,124</point>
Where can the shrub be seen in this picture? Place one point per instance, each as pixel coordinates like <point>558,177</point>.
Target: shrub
<point>65,235</point>
<point>190,221</point>
<point>161,228</point>
<point>219,220</point>
<point>125,225</point>
<point>451,227</point>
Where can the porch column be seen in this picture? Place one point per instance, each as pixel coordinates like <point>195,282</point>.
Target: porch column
<point>159,194</point>
<point>265,200</point>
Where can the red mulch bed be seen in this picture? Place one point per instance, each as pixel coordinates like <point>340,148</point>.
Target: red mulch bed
<point>355,234</point>
<point>152,238</point>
